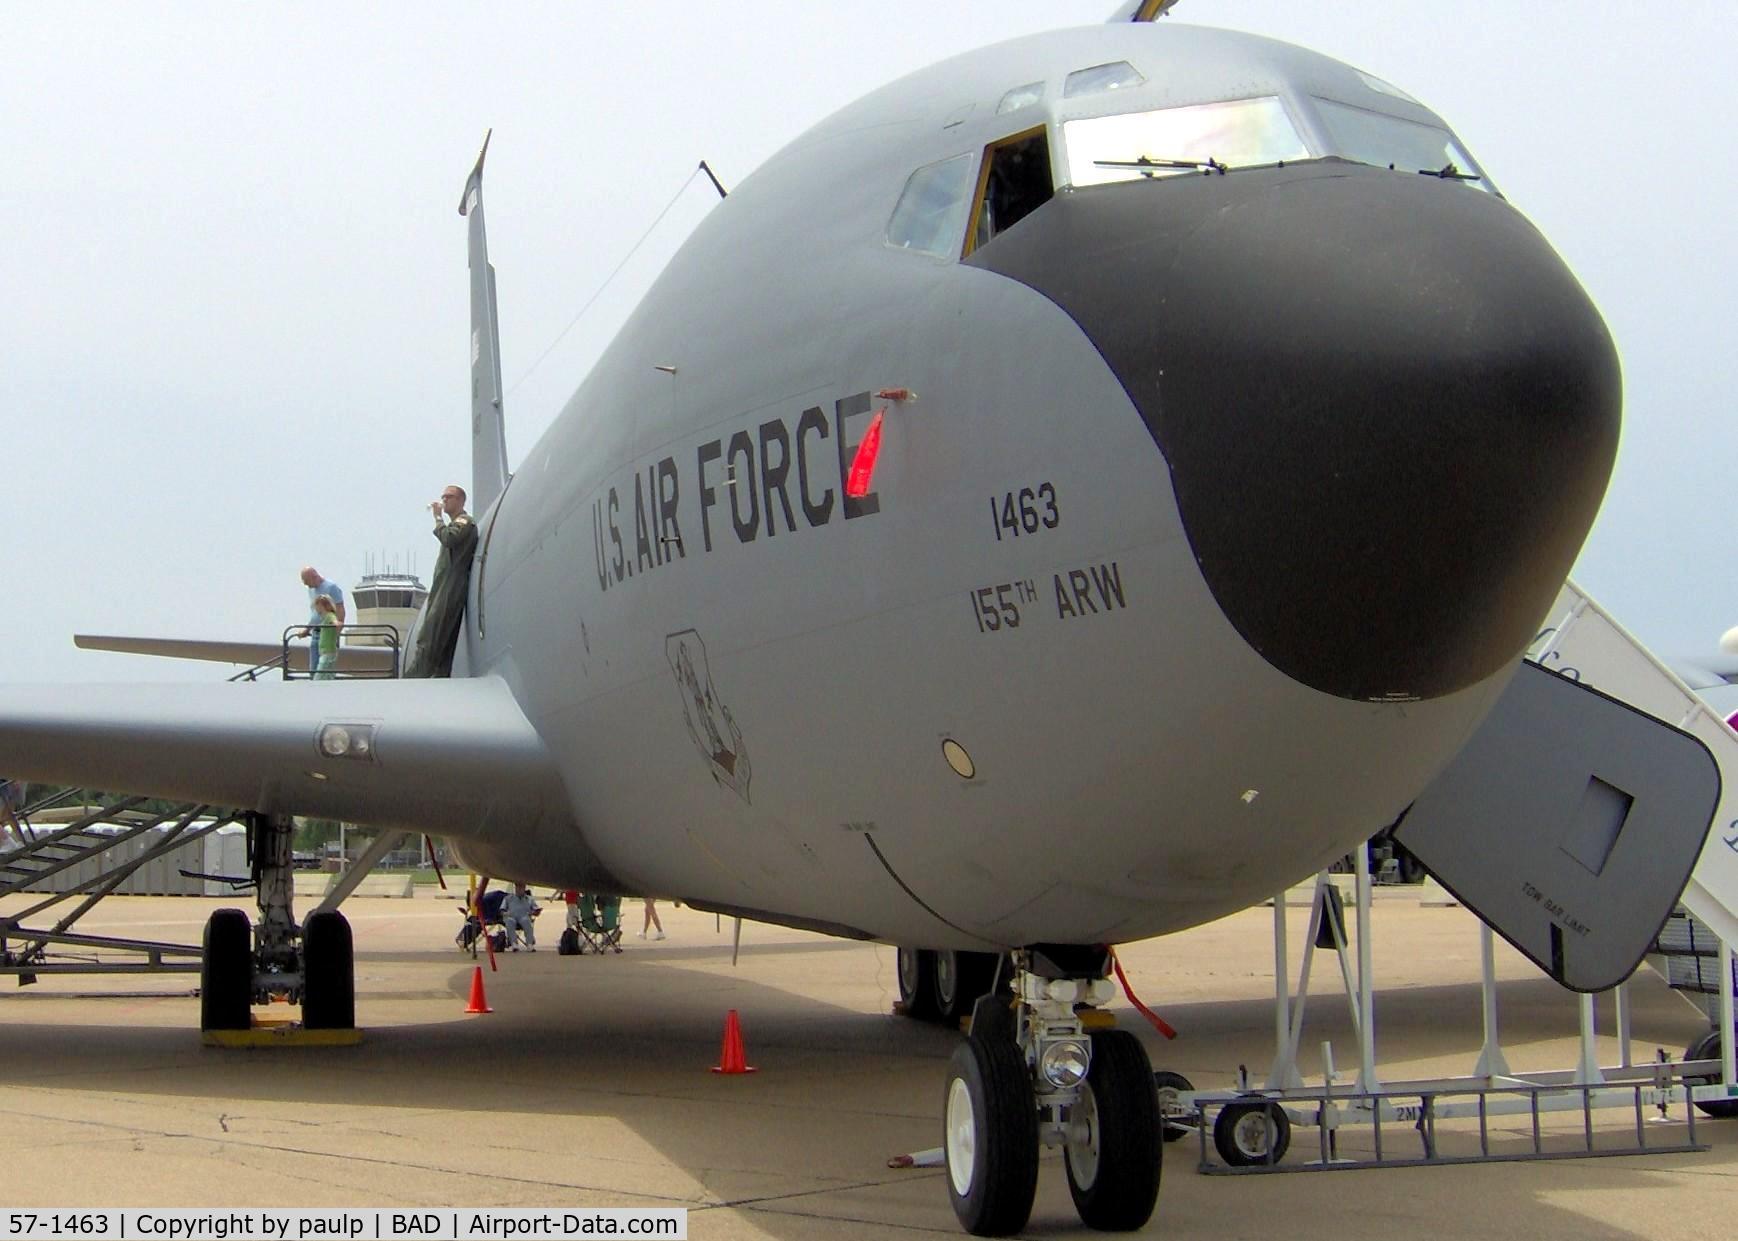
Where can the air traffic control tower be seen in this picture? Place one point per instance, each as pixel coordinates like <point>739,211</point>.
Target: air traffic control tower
<point>384,599</point>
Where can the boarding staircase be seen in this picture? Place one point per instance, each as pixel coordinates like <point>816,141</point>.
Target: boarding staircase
<point>1693,950</point>
<point>74,866</point>
<point>1687,955</point>
<point>1583,642</point>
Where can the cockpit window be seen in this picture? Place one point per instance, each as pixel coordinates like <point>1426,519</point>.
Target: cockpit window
<point>1394,142</point>
<point>1384,88</point>
<point>1021,97</point>
<point>1101,78</point>
<point>1241,133</point>
<point>931,213</point>
<point>1016,180</point>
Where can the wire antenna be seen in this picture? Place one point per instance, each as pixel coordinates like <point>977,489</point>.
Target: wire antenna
<point>580,313</point>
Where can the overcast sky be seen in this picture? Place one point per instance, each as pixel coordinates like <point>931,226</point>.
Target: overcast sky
<point>234,277</point>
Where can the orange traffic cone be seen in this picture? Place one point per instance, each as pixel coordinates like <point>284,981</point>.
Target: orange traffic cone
<point>732,1059</point>
<point>478,1004</point>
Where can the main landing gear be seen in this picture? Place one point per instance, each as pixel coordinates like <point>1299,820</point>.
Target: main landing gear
<point>311,964</point>
<point>943,986</point>
<point>1031,1073</point>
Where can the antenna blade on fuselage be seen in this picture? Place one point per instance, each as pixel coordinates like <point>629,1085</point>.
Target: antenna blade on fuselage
<point>1141,10</point>
<point>488,432</point>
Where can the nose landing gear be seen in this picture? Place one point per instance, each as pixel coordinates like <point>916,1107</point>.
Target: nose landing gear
<point>1031,1073</point>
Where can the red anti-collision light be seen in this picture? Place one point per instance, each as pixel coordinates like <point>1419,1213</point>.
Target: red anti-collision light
<point>863,464</point>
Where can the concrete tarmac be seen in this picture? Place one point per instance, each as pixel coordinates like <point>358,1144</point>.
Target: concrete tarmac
<point>589,1086</point>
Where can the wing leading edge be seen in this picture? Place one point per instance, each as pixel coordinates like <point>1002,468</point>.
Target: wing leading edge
<point>350,658</point>
<point>454,758</point>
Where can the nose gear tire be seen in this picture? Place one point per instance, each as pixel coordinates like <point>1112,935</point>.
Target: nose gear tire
<point>991,1137</point>
<point>1115,1164</point>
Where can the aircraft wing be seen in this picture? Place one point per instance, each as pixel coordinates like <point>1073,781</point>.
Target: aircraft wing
<point>451,757</point>
<point>251,654</point>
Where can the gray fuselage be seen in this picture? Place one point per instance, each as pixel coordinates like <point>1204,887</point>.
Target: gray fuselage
<point>1210,515</point>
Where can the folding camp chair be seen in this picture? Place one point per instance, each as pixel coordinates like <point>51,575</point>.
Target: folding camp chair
<point>471,932</point>
<point>600,923</point>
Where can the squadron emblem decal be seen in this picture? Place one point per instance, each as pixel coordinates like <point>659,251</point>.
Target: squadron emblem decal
<point>709,721</point>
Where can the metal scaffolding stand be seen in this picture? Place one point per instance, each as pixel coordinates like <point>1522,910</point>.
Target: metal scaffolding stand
<point>1333,1109</point>
<point>105,838</point>
<point>1251,1128</point>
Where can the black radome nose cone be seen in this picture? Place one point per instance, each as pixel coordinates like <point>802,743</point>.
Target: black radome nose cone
<point>1388,408</point>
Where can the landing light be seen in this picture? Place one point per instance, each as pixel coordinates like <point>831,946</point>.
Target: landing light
<point>1064,1064</point>
<point>347,741</point>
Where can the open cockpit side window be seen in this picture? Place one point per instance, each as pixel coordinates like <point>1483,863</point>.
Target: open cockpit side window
<point>1015,181</point>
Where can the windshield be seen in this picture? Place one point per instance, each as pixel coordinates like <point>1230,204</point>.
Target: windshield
<point>1170,141</point>
<point>1391,141</point>
<point>931,213</point>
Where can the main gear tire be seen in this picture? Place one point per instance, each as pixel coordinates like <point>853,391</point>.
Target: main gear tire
<point>958,979</point>
<point>328,972</point>
<point>916,968</point>
<point>226,972</point>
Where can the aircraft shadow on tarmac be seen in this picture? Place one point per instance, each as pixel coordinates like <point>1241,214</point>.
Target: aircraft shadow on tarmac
<point>591,1082</point>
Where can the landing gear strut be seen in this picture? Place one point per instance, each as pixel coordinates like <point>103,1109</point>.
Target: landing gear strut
<point>1031,1073</point>
<point>310,964</point>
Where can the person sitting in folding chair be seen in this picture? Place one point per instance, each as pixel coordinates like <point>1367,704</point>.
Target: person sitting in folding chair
<point>516,917</point>
<point>472,931</point>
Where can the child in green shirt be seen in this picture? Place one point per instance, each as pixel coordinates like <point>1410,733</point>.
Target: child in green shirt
<point>327,625</point>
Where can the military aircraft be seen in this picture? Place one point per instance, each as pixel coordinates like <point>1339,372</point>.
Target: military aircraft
<point>1066,496</point>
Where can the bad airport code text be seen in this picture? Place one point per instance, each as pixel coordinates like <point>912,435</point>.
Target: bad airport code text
<point>352,1224</point>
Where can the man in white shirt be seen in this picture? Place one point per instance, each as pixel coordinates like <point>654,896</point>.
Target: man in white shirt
<point>318,586</point>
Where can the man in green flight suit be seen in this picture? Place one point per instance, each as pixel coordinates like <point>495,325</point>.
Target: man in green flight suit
<point>438,635</point>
